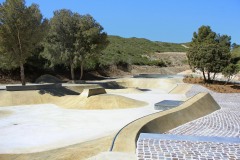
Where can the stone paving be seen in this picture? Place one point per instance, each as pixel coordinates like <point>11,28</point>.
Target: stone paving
<point>157,149</point>
<point>222,123</point>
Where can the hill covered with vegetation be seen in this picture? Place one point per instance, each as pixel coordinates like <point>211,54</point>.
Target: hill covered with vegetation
<point>135,51</point>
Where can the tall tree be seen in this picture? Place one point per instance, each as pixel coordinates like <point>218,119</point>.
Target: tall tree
<point>22,28</point>
<point>209,52</point>
<point>91,40</point>
<point>60,42</point>
<point>73,38</point>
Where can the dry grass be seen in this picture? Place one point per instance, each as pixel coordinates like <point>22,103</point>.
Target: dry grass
<point>216,86</point>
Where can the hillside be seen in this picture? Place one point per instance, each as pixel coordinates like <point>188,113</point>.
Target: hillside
<point>136,51</point>
<point>123,56</point>
<point>236,54</point>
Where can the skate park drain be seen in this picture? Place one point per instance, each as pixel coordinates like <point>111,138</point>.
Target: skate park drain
<point>167,104</point>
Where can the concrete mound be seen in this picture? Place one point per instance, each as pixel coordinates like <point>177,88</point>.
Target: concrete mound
<point>103,101</point>
<point>108,101</point>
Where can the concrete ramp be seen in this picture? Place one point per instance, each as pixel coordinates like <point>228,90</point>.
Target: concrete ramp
<point>198,106</point>
<point>181,89</point>
<point>92,91</point>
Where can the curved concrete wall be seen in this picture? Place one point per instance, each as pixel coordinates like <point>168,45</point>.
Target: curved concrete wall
<point>150,83</point>
<point>196,107</point>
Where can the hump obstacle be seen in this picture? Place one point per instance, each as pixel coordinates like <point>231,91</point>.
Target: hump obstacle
<point>92,92</point>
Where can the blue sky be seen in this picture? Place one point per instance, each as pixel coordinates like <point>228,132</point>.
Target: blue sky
<point>158,20</point>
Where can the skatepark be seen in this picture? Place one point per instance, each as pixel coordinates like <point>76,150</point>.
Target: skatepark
<point>105,119</point>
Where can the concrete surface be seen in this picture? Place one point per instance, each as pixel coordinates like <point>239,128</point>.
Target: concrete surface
<point>79,151</point>
<point>114,156</point>
<point>37,128</point>
<point>46,131</point>
<point>104,101</point>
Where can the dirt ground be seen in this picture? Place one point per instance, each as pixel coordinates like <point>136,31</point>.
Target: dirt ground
<point>216,86</point>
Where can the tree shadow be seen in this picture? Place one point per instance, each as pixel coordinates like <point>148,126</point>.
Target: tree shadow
<point>235,87</point>
<point>108,85</point>
<point>58,91</point>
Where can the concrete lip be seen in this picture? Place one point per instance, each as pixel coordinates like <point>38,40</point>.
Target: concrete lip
<point>33,87</point>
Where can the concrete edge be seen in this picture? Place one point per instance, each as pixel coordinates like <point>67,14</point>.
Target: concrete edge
<point>198,106</point>
<point>33,87</point>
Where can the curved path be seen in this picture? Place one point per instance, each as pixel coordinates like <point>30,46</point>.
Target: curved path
<point>222,123</point>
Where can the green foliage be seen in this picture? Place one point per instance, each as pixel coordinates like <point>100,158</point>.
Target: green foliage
<point>72,39</point>
<point>90,40</point>
<point>209,52</point>
<point>134,50</point>
<point>59,45</point>
<point>235,54</point>
<point>230,71</point>
<point>22,29</point>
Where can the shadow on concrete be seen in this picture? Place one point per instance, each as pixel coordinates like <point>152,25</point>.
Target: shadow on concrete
<point>144,90</point>
<point>108,85</point>
<point>58,91</point>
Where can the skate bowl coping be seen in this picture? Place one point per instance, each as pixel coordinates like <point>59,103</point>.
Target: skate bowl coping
<point>33,87</point>
<point>198,106</point>
<point>92,92</point>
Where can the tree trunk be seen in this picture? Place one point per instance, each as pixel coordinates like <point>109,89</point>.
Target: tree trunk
<point>228,79</point>
<point>214,76</point>
<point>72,71</point>
<point>81,68</point>
<point>205,80</point>
<point>22,74</point>
<point>209,77</point>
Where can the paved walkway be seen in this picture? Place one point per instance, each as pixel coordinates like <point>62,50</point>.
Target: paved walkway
<point>166,149</point>
<point>222,123</point>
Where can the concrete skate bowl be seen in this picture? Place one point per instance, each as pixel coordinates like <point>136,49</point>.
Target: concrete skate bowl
<point>101,101</point>
<point>198,106</point>
<point>131,85</point>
